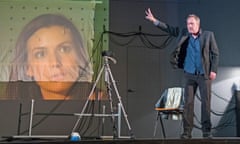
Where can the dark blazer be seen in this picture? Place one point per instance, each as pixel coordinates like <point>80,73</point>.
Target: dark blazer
<point>209,48</point>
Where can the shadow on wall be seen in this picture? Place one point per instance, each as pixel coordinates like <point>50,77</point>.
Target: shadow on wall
<point>224,104</point>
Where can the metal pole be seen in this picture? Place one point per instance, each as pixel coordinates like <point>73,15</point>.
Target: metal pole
<point>119,120</point>
<point>31,118</point>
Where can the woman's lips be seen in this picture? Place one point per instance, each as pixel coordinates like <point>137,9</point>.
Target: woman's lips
<point>58,77</point>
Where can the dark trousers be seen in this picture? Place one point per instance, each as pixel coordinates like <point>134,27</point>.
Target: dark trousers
<point>192,83</point>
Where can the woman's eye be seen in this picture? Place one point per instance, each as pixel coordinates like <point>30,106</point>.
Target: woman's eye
<point>65,49</point>
<point>39,54</point>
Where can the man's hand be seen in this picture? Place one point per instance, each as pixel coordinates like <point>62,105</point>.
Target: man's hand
<point>212,75</point>
<point>150,16</point>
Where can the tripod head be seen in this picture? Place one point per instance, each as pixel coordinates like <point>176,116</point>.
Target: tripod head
<point>108,55</point>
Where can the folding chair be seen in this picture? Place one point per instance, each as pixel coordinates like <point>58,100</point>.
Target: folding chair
<point>169,106</point>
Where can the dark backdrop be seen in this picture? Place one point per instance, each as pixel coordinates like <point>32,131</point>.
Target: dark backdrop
<point>142,72</point>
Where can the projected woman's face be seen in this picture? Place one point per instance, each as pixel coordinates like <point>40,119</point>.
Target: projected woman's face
<point>52,56</point>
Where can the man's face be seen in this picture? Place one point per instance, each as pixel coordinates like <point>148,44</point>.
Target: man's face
<point>193,25</point>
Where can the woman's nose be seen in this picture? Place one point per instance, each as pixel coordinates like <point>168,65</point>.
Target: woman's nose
<point>55,61</point>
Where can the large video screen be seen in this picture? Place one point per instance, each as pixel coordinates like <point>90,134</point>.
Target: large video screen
<point>49,60</point>
<point>46,49</point>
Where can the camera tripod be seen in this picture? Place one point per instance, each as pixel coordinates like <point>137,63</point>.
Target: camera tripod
<point>108,78</point>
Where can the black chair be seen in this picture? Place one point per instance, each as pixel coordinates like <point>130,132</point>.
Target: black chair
<point>169,106</point>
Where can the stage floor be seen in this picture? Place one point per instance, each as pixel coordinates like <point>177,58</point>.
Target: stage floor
<point>214,140</point>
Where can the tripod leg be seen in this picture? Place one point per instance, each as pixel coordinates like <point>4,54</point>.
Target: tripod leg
<point>120,101</point>
<point>85,106</point>
<point>112,112</point>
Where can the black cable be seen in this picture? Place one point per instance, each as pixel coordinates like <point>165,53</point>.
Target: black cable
<point>222,98</point>
<point>122,44</point>
<point>226,123</point>
<point>225,100</point>
<point>143,37</point>
<point>145,40</point>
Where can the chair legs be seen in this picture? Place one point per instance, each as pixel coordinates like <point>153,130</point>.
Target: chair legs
<point>155,127</point>
<point>162,126</point>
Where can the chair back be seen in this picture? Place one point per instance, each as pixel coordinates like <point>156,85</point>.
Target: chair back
<point>174,97</point>
<point>171,98</point>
